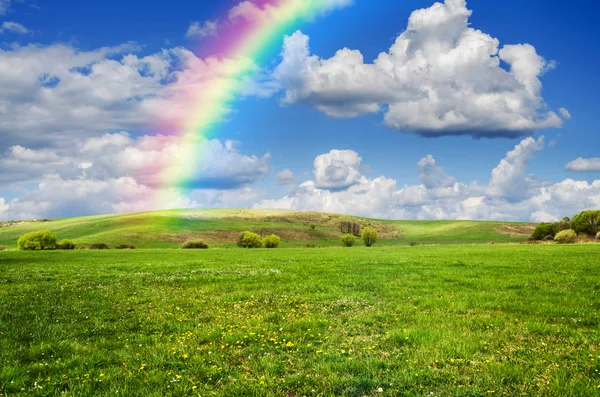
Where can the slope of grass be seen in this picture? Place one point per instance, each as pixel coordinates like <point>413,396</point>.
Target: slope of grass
<point>168,229</point>
<point>510,320</point>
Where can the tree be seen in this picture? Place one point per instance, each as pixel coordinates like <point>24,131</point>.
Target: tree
<point>348,240</point>
<point>350,227</point>
<point>271,241</point>
<point>587,222</point>
<point>248,239</point>
<point>566,237</point>
<point>42,240</point>
<point>542,230</point>
<point>563,224</point>
<point>313,227</point>
<point>369,236</point>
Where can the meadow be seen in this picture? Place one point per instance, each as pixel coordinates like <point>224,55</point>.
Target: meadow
<point>447,320</point>
<point>221,227</point>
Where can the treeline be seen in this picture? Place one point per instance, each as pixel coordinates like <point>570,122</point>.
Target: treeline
<point>566,230</point>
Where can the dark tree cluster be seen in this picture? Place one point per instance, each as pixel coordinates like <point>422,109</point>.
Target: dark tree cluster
<point>349,227</point>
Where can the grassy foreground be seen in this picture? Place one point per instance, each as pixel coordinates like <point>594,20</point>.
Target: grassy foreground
<point>418,321</point>
<point>221,227</point>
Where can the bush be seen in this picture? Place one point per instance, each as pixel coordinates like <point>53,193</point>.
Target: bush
<point>549,238</point>
<point>3,247</point>
<point>412,243</point>
<point>313,227</point>
<point>350,227</point>
<point>369,236</point>
<point>348,240</point>
<point>566,237</point>
<point>542,230</point>
<point>249,240</point>
<point>587,222</point>
<point>194,244</point>
<point>99,246</point>
<point>65,245</point>
<point>42,240</point>
<point>125,247</point>
<point>598,236</point>
<point>271,241</point>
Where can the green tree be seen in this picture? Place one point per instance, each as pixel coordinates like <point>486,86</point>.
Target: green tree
<point>566,237</point>
<point>348,240</point>
<point>369,236</point>
<point>271,241</point>
<point>41,240</point>
<point>542,230</point>
<point>587,222</point>
<point>248,239</point>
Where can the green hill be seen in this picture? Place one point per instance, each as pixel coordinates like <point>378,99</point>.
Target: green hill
<point>220,228</point>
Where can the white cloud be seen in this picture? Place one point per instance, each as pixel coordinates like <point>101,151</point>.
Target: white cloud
<point>432,175</point>
<point>510,194</point>
<point>440,77</point>
<point>564,113</point>
<point>337,169</point>
<point>584,165</point>
<point>285,177</point>
<point>255,13</point>
<point>14,27</point>
<point>4,6</point>
<point>206,29</point>
<point>148,159</point>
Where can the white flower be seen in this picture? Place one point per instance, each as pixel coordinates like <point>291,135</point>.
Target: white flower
<point>380,390</point>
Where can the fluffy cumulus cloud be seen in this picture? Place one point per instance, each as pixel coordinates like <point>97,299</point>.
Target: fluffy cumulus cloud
<point>510,194</point>
<point>338,169</point>
<point>54,94</point>
<point>285,177</point>
<point>584,165</point>
<point>115,173</point>
<point>13,27</point>
<point>440,77</point>
<point>201,30</point>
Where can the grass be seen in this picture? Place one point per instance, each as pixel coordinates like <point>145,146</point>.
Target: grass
<point>220,227</point>
<point>449,320</point>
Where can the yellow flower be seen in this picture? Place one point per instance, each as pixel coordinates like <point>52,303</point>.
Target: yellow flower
<point>101,375</point>
<point>194,387</point>
<point>290,344</point>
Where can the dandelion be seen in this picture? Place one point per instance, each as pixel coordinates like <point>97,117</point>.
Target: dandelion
<point>380,390</point>
<point>101,375</point>
<point>290,344</point>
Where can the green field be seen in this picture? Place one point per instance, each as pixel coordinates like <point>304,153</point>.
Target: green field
<point>220,227</point>
<point>443,320</point>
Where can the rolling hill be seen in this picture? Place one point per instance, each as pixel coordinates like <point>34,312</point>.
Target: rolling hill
<point>220,228</point>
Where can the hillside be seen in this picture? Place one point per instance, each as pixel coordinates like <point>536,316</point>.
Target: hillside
<point>220,227</point>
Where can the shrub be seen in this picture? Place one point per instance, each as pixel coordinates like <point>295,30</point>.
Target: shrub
<point>125,247</point>
<point>42,240</point>
<point>566,237</point>
<point>587,222</point>
<point>271,241</point>
<point>549,238</point>
<point>598,236</point>
<point>3,247</point>
<point>412,243</point>
<point>65,245</point>
<point>194,244</point>
<point>313,227</point>
<point>369,236</point>
<point>348,240</point>
<point>542,230</point>
<point>249,240</point>
<point>99,246</point>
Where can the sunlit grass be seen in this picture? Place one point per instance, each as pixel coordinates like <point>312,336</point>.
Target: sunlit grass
<point>447,320</point>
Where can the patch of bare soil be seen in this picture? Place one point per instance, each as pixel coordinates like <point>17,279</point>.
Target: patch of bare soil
<point>515,230</point>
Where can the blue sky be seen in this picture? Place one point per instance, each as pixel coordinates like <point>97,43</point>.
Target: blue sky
<point>53,153</point>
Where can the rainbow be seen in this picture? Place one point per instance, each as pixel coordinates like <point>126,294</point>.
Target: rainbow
<point>243,43</point>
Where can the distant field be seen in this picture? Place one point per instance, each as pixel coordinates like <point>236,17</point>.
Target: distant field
<point>474,320</point>
<point>220,227</point>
